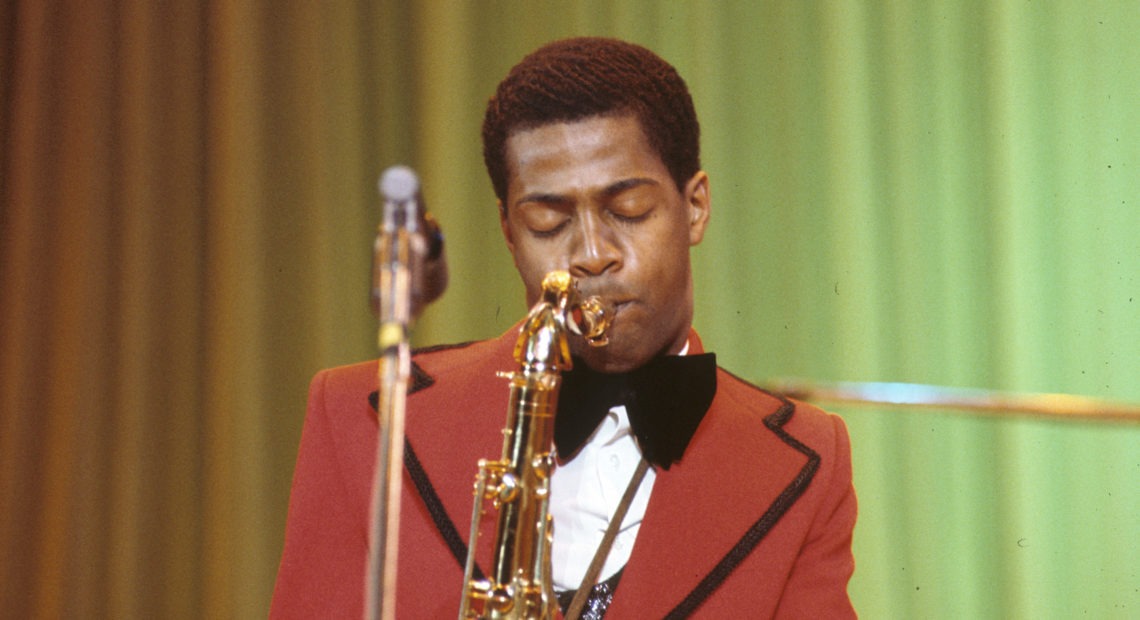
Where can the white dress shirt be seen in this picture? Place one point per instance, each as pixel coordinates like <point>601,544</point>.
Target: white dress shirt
<point>585,493</point>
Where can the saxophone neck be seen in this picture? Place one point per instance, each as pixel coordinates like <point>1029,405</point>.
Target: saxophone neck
<point>543,342</point>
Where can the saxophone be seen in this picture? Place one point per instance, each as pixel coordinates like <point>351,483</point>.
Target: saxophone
<point>519,584</point>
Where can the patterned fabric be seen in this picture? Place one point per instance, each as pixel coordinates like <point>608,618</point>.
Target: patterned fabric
<point>601,595</point>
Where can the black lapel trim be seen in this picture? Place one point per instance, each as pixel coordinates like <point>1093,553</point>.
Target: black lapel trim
<point>775,422</point>
<point>420,380</point>
<point>443,347</point>
<point>443,523</point>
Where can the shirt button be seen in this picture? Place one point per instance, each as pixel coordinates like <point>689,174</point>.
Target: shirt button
<point>615,462</point>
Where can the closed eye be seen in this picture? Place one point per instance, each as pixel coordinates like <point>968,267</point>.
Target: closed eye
<point>546,233</point>
<point>544,216</point>
<point>629,218</point>
<point>633,201</point>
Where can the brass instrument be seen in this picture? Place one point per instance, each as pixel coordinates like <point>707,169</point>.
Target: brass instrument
<point>519,584</point>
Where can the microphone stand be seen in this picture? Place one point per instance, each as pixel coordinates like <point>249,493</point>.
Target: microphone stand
<point>397,261</point>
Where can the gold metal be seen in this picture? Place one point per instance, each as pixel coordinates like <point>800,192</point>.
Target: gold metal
<point>519,583</point>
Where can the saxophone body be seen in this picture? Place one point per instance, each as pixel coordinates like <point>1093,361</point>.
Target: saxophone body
<point>519,581</point>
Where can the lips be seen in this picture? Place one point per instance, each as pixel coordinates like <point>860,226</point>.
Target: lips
<point>610,298</point>
<point>616,307</point>
<point>608,294</point>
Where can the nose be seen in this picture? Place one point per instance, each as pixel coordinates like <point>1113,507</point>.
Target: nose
<point>595,249</point>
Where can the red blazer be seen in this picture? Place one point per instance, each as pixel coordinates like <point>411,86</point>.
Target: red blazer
<point>755,521</point>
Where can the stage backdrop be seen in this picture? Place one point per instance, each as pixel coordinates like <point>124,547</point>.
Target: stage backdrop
<point>945,193</point>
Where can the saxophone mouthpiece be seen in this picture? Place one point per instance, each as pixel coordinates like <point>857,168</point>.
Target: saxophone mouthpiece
<point>591,319</point>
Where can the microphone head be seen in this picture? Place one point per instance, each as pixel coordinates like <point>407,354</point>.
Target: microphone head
<point>399,184</point>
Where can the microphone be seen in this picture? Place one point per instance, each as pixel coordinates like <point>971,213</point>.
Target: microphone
<point>404,211</point>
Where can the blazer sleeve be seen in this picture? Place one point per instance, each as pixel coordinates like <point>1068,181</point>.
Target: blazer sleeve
<point>817,587</point>
<point>325,549</point>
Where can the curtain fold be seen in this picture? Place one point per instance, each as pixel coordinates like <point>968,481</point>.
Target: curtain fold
<point>912,191</point>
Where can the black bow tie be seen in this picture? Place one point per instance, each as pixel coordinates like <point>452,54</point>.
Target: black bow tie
<point>666,400</point>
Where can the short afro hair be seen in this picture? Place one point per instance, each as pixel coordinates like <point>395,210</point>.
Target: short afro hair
<point>579,78</point>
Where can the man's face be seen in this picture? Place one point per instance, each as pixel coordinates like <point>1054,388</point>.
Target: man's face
<point>593,198</point>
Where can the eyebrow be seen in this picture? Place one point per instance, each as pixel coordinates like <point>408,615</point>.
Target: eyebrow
<point>609,192</point>
<point>543,198</point>
<point>620,186</point>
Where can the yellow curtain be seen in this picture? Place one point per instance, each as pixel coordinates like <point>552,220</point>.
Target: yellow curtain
<point>942,193</point>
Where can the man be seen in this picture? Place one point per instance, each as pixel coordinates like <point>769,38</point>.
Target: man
<point>747,508</point>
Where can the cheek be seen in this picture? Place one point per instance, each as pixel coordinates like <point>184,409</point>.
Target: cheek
<point>665,272</point>
<point>665,253</point>
<point>532,267</point>
<point>530,262</point>
<point>666,279</point>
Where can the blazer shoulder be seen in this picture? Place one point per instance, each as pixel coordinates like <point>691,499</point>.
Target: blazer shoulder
<point>360,378</point>
<point>466,360</point>
<point>335,387</point>
<point>814,426</point>
<point>348,372</point>
<point>442,357</point>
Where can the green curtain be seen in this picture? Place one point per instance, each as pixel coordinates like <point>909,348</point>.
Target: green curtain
<point>941,193</point>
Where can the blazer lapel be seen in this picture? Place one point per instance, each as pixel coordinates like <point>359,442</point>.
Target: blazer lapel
<point>708,512</point>
<point>440,456</point>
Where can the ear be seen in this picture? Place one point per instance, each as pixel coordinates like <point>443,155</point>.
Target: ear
<point>504,225</point>
<point>699,203</point>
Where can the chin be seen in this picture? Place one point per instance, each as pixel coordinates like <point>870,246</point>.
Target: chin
<point>610,358</point>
